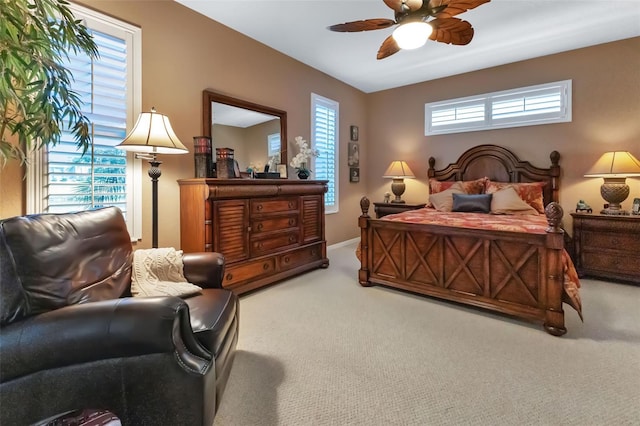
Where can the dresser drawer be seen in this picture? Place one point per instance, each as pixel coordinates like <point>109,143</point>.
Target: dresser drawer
<point>615,262</point>
<point>277,223</point>
<point>248,271</point>
<point>276,205</point>
<point>300,257</point>
<point>270,244</point>
<point>610,240</point>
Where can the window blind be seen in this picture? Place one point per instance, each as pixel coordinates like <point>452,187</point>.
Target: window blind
<point>98,178</point>
<point>325,139</point>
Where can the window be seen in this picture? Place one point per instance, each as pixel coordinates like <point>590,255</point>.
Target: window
<point>273,144</point>
<point>62,179</point>
<point>527,106</point>
<point>324,138</point>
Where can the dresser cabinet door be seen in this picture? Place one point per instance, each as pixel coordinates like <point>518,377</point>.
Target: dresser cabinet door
<point>230,233</point>
<point>311,212</point>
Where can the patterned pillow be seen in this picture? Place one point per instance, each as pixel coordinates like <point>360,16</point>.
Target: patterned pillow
<point>468,186</point>
<point>530,192</point>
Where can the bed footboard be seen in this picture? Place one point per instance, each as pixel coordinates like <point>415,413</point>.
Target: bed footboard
<point>514,273</point>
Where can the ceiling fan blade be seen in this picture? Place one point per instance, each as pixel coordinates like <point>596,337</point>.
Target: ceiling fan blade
<point>451,31</point>
<point>364,25</point>
<point>404,6</point>
<point>449,8</point>
<point>388,48</point>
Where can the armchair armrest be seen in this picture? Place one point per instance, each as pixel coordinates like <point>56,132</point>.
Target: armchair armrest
<point>94,331</point>
<point>205,269</point>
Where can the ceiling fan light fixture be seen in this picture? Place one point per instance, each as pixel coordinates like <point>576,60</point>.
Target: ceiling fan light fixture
<point>412,35</point>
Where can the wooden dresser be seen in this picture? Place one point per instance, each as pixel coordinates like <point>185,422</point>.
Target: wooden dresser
<point>607,246</point>
<point>267,229</point>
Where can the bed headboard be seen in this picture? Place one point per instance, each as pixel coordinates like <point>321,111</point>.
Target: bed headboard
<point>501,165</point>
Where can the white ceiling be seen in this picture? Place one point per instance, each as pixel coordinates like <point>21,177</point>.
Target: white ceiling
<point>505,31</point>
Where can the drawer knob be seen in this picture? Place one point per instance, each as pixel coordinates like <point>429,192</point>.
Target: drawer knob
<point>259,227</point>
<point>259,207</point>
<point>313,252</point>
<point>290,204</point>
<point>286,259</point>
<point>265,266</point>
<point>291,222</point>
<point>292,239</point>
<point>259,245</point>
<point>229,277</point>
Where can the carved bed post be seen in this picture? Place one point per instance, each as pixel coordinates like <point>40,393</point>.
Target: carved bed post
<point>554,316</point>
<point>363,223</point>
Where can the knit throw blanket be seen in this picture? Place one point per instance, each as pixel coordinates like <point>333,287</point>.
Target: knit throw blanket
<point>158,272</point>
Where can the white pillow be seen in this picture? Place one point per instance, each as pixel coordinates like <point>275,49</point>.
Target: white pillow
<point>443,201</point>
<point>507,201</point>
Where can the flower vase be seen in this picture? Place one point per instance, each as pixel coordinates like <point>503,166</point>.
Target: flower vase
<point>303,174</point>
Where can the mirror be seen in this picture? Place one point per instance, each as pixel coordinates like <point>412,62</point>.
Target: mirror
<point>257,133</point>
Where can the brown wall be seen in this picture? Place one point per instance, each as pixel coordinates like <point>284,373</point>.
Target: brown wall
<point>184,53</point>
<point>606,117</point>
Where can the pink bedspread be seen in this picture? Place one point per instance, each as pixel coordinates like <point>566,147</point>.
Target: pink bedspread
<point>533,224</point>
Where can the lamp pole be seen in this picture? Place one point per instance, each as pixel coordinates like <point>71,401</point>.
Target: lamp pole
<point>154,174</point>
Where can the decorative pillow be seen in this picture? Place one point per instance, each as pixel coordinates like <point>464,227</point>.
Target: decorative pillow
<point>530,192</point>
<point>443,201</point>
<point>479,203</point>
<point>507,201</point>
<point>467,186</point>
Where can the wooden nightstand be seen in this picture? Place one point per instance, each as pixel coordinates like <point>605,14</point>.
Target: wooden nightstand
<point>383,209</point>
<point>607,246</point>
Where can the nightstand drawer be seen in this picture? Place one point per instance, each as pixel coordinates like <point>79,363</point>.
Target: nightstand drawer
<point>624,264</point>
<point>609,240</point>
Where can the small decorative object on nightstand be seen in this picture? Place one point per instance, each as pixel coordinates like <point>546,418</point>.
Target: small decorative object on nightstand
<point>615,167</point>
<point>398,171</point>
<point>383,209</point>
<point>583,207</point>
<point>607,246</point>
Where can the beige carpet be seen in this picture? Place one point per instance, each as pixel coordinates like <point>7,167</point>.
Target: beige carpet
<point>320,349</point>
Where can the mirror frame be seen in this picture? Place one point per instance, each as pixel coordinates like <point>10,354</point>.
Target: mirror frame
<point>209,96</point>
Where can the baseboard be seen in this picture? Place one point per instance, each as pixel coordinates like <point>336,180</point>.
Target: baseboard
<point>343,243</point>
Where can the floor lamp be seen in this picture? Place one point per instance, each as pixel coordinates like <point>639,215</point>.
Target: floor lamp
<point>153,135</point>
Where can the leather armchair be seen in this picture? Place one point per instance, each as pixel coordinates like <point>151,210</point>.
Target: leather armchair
<point>71,337</point>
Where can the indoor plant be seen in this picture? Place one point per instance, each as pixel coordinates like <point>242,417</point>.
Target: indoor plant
<point>36,100</point>
<point>299,162</point>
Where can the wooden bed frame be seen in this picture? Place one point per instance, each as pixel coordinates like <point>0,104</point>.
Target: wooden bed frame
<point>514,273</point>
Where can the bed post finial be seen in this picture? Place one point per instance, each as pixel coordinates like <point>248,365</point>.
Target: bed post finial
<point>554,213</point>
<point>555,158</point>
<point>432,164</point>
<point>364,206</point>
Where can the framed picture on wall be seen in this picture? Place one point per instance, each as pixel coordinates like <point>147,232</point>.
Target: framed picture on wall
<point>354,133</point>
<point>354,155</point>
<point>354,174</point>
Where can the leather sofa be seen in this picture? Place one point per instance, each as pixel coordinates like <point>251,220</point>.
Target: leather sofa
<point>72,337</point>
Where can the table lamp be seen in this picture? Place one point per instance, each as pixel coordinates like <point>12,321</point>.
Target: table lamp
<point>615,167</point>
<point>153,135</point>
<point>398,171</point>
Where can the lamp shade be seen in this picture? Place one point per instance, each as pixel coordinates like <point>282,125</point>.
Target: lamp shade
<point>412,35</point>
<point>153,134</point>
<point>615,164</point>
<point>399,169</point>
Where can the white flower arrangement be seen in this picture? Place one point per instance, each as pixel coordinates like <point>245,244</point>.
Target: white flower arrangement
<point>299,162</point>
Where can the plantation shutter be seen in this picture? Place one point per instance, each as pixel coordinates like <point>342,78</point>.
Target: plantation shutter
<point>273,145</point>
<point>325,140</point>
<point>99,178</point>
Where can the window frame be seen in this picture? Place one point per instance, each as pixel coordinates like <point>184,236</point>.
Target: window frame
<point>489,100</point>
<point>35,179</point>
<point>335,106</point>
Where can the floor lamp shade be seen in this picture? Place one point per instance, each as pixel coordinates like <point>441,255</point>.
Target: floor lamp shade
<point>398,171</point>
<point>615,167</point>
<point>152,135</point>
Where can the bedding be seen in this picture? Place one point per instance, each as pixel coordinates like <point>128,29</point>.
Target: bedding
<point>529,192</point>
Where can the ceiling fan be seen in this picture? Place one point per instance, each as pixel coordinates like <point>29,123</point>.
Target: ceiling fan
<point>414,27</point>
